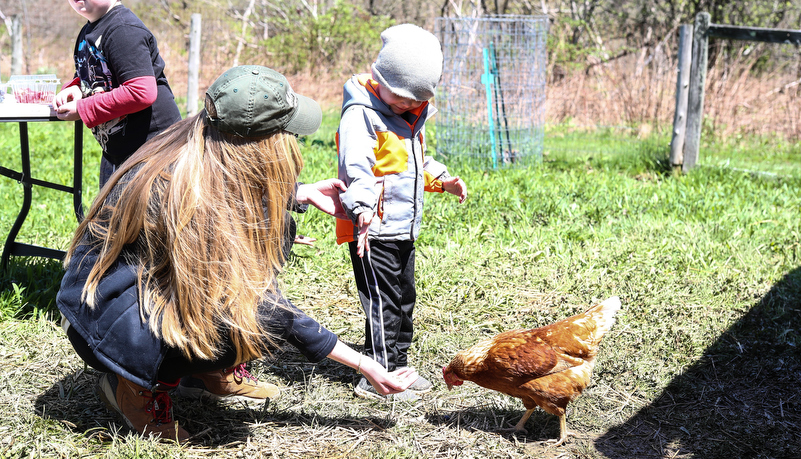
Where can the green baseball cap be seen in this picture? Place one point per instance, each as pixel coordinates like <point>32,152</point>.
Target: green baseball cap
<point>254,101</point>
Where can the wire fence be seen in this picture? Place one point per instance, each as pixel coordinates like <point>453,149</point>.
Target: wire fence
<point>752,118</point>
<point>492,93</point>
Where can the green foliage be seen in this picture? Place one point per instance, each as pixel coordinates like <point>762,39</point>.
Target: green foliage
<point>773,156</point>
<point>28,289</point>
<point>50,221</point>
<point>605,29</point>
<point>341,39</point>
<point>567,48</point>
<point>11,301</point>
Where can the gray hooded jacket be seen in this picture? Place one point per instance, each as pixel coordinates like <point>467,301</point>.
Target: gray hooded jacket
<point>383,163</point>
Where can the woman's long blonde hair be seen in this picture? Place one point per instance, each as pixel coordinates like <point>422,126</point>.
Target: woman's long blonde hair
<point>203,214</point>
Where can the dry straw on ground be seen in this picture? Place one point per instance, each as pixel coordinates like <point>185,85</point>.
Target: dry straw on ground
<point>738,100</point>
<point>738,399</point>
<point>51,407</point>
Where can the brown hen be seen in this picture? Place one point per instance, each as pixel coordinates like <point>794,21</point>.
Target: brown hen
<point>546,367</point>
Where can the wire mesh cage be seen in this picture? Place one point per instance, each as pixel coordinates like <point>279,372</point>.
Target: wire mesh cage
<point>491,98</point>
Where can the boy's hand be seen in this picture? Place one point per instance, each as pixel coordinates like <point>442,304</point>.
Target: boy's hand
<point>362,245</point>
<point>68,112</point>
<point>71,94</point>
<point>455,186</point>
<point>66,104</point>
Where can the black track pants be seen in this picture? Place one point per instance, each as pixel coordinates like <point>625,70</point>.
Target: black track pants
<point>385,280</point>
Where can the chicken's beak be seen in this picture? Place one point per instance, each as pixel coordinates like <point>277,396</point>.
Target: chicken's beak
<point>446,377</point>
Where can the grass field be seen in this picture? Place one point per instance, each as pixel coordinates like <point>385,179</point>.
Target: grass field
<point>703,361</point>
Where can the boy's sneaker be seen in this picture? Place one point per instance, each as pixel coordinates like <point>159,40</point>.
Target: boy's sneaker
<point>421,385</point>
<point>366,390</point>
<point>231,384</point>
<point>147,412</point>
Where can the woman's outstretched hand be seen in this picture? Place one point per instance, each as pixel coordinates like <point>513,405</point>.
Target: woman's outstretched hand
<point>323,195</point>
<point>389,383</point>
<point>384,382</point>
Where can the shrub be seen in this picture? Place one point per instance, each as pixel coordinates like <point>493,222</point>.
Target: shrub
<point>341,40</point>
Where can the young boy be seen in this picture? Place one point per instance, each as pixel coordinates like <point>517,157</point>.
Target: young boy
<point>382,161</point>
<point>119,90</point>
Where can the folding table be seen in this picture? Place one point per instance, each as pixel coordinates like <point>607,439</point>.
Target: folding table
<point>24,114</point>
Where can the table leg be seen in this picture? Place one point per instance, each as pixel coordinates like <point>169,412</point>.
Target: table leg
<point>17,248</point>
<point>77,175</point>
<point>26,195</point>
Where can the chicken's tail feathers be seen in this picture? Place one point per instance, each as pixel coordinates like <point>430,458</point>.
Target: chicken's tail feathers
<point>611,304</point>
<point>604,313</point>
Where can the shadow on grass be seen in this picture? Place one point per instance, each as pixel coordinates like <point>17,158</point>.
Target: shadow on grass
<point>742,399</point>
<point>289,364</point>
<point>540,427</point>
<point>28,287</point>
<point>73,402</point>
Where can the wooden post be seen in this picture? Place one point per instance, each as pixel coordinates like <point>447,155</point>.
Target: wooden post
<point>780,36</point>
<point>194,65</point>
<point>695,100</point>
<point>682,93</point>
<point>16,45</point>
<point>684,146</point>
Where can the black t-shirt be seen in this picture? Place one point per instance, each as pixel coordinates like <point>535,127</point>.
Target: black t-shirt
<point>117,48</point>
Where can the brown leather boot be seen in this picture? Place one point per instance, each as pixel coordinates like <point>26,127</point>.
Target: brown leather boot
<point>144,411</point>
<point>231,384</point>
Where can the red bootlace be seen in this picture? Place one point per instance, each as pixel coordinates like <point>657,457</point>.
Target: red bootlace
<point>160,405</point>
<point>242,373</point>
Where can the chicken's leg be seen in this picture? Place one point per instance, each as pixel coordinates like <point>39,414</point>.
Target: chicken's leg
<point>563,432</point>
<point>520,427</point>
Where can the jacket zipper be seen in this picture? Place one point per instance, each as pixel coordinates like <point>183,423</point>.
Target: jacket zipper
<point>412,141</point>
<point>416,175</point>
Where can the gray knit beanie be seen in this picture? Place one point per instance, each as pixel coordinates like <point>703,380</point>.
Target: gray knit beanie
<point>409,63</point>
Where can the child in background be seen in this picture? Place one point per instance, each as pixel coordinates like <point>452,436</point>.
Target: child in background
<point>119,90</point>
<point>382,161</point>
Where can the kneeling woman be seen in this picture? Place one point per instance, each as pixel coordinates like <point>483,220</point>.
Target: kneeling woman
<point>171,278</point>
